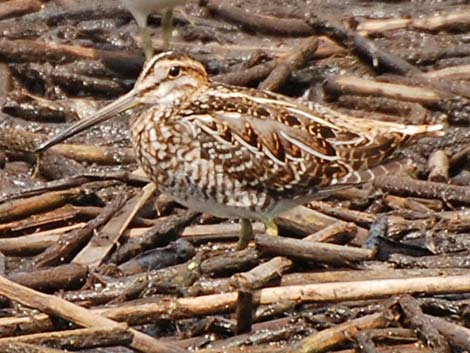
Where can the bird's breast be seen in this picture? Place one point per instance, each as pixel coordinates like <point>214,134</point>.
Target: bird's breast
<point>173,160</point>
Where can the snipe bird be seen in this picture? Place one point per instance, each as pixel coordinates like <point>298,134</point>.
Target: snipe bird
<point>236,152</point>
<point>141,9</point>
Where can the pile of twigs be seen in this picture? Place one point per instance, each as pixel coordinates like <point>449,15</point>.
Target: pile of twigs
<point>92,256</point>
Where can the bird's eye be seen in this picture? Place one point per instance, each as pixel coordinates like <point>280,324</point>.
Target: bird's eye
<point>174,71</point>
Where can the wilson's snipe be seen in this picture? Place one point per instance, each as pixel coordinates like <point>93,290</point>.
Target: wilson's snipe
<point>243,153</point>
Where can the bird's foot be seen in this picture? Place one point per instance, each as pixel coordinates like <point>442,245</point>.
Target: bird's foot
<point>271,228</point>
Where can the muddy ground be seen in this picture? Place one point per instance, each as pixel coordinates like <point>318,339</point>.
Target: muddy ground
<point>94,259</point>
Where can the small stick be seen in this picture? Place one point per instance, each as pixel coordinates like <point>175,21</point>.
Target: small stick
<point>438,164</point>
<point>299,278</point>
<point>320,252</point>
<point>35,204</point>
<point>434,22</point>
<point>25,50</point>
<point>324,340</point>
<point>333,232</point>
<point>379,58</point>
<point>343,213</point>
<point>16,8</point>
<point>403,185</point>
<point>229,263</point>
<point>244,312</point>
<point>244,77</point>
<point>457,335</point>
<point>414,315</point>
<point>285,66</point>
<point>355,85</point>
<point>77,339</point>
<point>259,23</point>
<point>34,243</point>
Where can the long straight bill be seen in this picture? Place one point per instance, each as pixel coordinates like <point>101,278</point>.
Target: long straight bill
<point>123,103</point>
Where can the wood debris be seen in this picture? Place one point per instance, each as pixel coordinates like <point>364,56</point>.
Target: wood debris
<point>93,258</point>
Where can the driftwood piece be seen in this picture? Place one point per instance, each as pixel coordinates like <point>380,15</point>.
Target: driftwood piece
<point>286,65</point>
<point>65,248</point>
<point>307,250</point>
<point>35,243</point>
<point>52,279</point>
<point>290,279</point>
<point>30,50</point>
<point>379,58</point>
<point>230,263</point>
<point>25,207</point>
<point>420,188</point>
<point>15,8</point>
<point>326,339</point>
<point>457,335</point>
<point>415,317</point>
<point>438,166</point>
<point>363,87</point>
<point>100,244</point>
<point>244,311</point>
<point>446,20</point>
<point>164,231</point>
<point>18,347</point>
<point>81,316</point>
<point>78,338</point>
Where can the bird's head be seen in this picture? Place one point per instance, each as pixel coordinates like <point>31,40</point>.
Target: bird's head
<point>166,79</point>
<point>169,77</point>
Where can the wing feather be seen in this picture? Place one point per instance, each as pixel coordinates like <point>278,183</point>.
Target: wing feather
<point>279,145</point>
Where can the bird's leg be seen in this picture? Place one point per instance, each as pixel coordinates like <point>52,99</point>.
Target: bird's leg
<point>246,234</point>
<point>146,42</point>
<point>271,227</point>
<point>167,19</point>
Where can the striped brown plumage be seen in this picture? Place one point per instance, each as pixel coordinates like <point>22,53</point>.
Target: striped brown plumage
<point>244,153</point>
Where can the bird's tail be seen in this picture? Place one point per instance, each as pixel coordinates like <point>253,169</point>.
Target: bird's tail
<point>395,167</point>
<point>416,130</point>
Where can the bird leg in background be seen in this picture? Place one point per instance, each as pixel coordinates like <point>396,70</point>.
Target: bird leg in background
<point>146,42</point>
<point>246,234</point>
<point>167,19</point>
